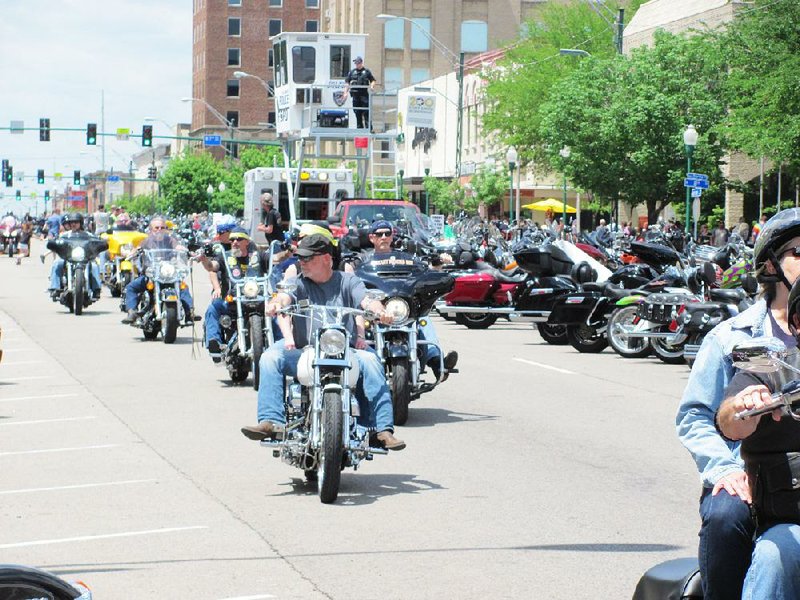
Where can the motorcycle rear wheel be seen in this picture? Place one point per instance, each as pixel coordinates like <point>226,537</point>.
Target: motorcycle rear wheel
<point>401,390</point>
<point>586,339</point>
<point>169,324</point>
<point>619,320</point>
<point>476,320</point>
<point>553,334</point>
<point>672,355</point>
<point>77,296</point>
<point>329,468</point>
<point>257,344</point>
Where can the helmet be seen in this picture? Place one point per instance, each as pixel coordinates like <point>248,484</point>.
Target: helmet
<point>777,231</point>
<point>73,218</point>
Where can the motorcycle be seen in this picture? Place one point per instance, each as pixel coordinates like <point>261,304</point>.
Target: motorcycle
<point>119,270</point>
<point>18,582</point>
<point>78,250</point>
<point>9,235</point>
<point>411,289</point>
<point>160,309</point>
<point>322,435</point>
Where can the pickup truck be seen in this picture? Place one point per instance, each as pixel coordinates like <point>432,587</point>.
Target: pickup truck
<point>352,212</point>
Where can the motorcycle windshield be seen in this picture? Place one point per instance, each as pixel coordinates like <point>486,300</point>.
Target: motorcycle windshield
<point>65,245</point>
<point>166,264</point>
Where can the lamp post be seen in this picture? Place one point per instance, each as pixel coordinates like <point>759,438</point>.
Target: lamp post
<point>689,142</point>
<point>457,62</point>
<point>228,125</point>
<point>426,166</point>
<point>401,163</point>
<point>511,159</point>
<point>565,154</point>
<point>210,192</point>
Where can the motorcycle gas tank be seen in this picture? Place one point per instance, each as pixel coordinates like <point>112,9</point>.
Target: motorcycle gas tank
<point>541,293</point>
<point>64,245</point>
<point>657,256</point>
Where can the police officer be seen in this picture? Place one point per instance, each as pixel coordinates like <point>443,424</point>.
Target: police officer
<point>359,82</point>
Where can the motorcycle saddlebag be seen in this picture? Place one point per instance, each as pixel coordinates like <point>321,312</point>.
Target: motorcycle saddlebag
<point>573,309</point>
<point>677,579</point>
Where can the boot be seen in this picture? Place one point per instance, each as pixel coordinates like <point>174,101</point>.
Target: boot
<point>130,318</point>
<point>387,440</point>
<point>262,431</point>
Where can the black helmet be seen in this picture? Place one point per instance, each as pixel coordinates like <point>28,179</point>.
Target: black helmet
<point>776,232</point>
<point>73,218</point>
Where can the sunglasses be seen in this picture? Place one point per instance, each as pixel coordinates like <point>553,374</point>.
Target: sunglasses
<point>795,251</point>
<point>305,259</point>
<point>382,234</point>
<point>237,240</point>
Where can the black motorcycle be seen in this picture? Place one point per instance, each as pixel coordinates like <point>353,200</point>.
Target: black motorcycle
<point>78,251</point>
<point>411,288</point>
<point>18,582</point>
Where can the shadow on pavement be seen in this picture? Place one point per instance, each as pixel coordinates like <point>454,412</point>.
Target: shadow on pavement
<point>424,417</point>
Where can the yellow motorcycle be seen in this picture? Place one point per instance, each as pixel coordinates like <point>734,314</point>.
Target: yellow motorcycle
<point>118,271</point>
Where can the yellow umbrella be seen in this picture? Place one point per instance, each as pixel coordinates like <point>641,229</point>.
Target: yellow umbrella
<point>550,204</point>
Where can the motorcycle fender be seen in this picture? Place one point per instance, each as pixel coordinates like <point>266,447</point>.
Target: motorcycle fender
<point>396,350</point>
<point>169,295</point>
<point>629,300</point>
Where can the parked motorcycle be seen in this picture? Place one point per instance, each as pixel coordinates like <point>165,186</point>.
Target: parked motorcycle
<point>119,270</point>
<point>160,309</point>
<point>78,250</point>
<point>411,289</point>
<point>322,435</point>
<point>18,582</point>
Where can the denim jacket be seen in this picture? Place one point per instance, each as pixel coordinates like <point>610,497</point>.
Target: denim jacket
<point>713,370</point>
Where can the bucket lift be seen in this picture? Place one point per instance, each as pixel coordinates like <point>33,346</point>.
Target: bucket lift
<point>314,115</point>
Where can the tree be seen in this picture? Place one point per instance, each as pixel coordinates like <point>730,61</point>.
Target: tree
<point>623,119</point>
<point>763,48</point>
<point>489,187</point>
<point>445,196</point>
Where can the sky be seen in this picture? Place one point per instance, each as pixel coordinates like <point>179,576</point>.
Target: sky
<point>59,57</point>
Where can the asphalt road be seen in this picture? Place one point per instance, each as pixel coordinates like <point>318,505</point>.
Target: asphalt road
<point>536,472</point>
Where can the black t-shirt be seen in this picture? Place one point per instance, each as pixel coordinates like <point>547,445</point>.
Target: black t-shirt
<point>273,217</point>
<point>359,77</point>
<point>255,264</point>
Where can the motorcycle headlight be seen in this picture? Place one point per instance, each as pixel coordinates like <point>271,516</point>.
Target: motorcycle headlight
<point>332,342</point>
<point>398,309</point>
<point>126,250</point>
<point>250,288</point>
<point>78,253</point>
<point>166,270</point>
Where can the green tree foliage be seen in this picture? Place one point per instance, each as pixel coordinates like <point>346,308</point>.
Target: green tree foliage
<point>141,205</point>
<point>489,187</point>
<point>443,195</point>
<point>763,48</point>
<point>623,119</point>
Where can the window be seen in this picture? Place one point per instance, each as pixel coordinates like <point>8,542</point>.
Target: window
<point>281,75</point>
<point>312,26</point>
<point>304,62</point>
<point>474,36</point>
<point>234,57</point>
<point>393,34</point>
<point>270,58</point>
<point>420,34</point>
<point>340,62</point>
<point>233,88</point>
<point>271,117</point>
<point>276,3</point>
<point>392,78</point>
<point>234,26</point>
<point>275,27</point>
<point>312,3</point>
<point>234,2</point>
<point>420,74</point>
<point>233,117</point>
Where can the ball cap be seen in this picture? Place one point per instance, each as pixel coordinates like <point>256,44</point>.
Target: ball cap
<point>314,244</point>
<point>239,233</point>
<point>378,225</point>
<point>358,59</point>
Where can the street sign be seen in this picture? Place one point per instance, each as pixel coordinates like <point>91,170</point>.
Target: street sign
<point>17,127</point>
<point>696,176</point>
<point>113,178</point>
<point>695,183</point>
<point>58,176</point>
<point>212,140</point>
<point>696,192</point>
<point>123,134</point>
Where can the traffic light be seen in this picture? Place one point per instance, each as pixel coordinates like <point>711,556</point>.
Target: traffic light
<point>147,135</point>
<point>9,176</point>
<point>44,130</point>
<point>46,196</point>
<point>76,177</point>
<point>19,195</point>
<point>40,176</point>
<point>152,173</point>
<point>5,167</point>
<point>91,134</point>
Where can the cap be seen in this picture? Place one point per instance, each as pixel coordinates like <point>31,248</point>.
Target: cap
<point>314,228</point>
<point>314,244</point>
<point>239,233</point>
<point>225,227</point>
<point>378,225</point>
<point>358,59</point>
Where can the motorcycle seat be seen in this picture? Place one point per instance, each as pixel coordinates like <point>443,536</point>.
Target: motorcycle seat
<point>708,307</point>
<point>678,578</point>
<point>515,276</point>
<point>733,296</point>
<point>619,293</point>
<point>593,286</point>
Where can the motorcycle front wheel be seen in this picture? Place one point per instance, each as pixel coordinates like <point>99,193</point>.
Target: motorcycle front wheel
<point>257,344</point>
<point>620,322</point>
<point>553,334</point>
<point>169,324</point>
<point>329,468</point>
<point>586,339</point>
<point>401,390</point>
<point>77,296</point>
<point>476,320</point>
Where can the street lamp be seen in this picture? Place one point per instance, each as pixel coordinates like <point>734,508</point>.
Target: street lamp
<point>401,163</point>
<point>243,75</point>
<point>426,166</point>
<point>511,159</point>
<point>573,52</point>
<point>565,154</point>
<point>689,142</point>
<point>456,61</point>
<point>218,115</point>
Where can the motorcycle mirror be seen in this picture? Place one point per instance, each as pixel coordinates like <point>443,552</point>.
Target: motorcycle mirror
<point>709,273</point>
<point>375,294</point>
<point>759,355</point>
<point>750,284</point>
<point>286,287</point>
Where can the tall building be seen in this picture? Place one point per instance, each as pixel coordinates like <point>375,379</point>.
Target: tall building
<point>231,36</point>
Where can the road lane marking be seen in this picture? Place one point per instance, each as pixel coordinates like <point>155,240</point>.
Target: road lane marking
<point>38,397</point>
<point>107,536</point>
<point>47,421</point>
<point>19,452</point>
<point>79,486</point>
<point>26,378</point>
<point>536,364</point>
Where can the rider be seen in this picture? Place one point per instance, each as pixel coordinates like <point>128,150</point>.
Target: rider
<point>74,227</point>
<point>244,260</point>
<point>158,239</point>
<point>320,284</point>
<point>381,235</point>
<point>727,528</point>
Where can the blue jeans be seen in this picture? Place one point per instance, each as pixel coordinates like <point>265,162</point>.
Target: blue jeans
<point>428,333</point>
<point>215,310</point>
<point>726,544</point>
<point>278,362</point>
<point>57,271</point>
<point>136,287</point>
<point>775,570</point>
